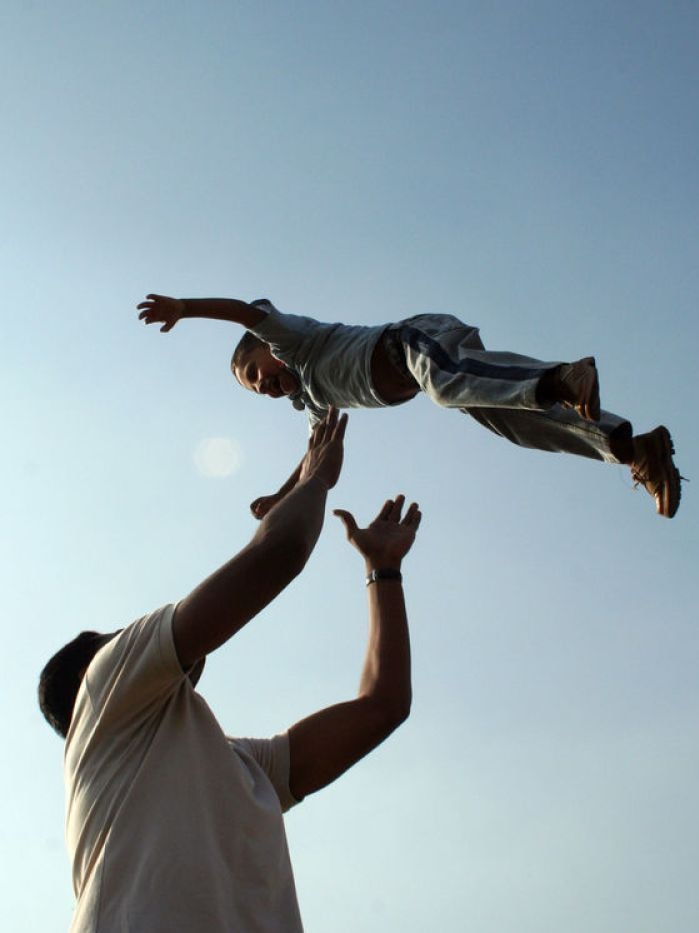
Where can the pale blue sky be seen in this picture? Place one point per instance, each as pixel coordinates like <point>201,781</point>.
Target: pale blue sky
<point>528,166</point>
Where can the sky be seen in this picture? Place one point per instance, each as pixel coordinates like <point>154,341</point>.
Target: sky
<point>529,166</point>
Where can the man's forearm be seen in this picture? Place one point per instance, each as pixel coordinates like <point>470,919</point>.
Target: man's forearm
<point>296,522</point>
<point>330,741</point>
<point>386,673</point>
<point>223,309</point>
<point>237,591</point>
<point>291,482</point>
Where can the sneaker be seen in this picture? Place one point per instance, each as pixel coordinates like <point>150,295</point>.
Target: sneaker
<point>579,387</point>
<point>652,467</point>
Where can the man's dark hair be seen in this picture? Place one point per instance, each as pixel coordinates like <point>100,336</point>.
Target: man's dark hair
<point>247,343</point>
<point>60,679</point>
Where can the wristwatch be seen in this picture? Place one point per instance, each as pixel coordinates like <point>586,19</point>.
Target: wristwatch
<point>387,574</point>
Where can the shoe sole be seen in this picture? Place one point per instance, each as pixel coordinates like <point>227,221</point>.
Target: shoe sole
<point>668,499</point>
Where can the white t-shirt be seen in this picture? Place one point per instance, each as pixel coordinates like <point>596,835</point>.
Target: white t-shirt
<point>171,826</point>
<point>331,361</point>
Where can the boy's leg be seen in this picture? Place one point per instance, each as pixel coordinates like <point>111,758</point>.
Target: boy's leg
<point>560,430</point>
<point>448,361</point>
<point>503,391</point>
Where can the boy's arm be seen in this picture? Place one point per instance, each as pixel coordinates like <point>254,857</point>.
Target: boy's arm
<point>261,506</point>
<point>236,592</point>
<point>326,744</point>
<point>161,309</point>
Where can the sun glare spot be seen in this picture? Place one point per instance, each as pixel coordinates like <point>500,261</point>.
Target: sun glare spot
<point>217,457</point>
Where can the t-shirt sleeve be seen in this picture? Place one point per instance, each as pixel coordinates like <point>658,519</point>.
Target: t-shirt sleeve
<point>285,333</point>
<point>272,755</point>
<point>135,672</point>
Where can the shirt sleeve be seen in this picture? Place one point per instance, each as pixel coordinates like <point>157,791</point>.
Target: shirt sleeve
<point>272,755</point>
<point>136,671</point>
<point>285,333</point>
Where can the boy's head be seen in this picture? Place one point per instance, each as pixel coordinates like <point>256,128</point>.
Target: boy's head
<point>60,679</point>
<point>258,371</point>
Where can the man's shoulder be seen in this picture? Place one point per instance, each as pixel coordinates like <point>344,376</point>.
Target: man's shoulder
<point>138,662</point>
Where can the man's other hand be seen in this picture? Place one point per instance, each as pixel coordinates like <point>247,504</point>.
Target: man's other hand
<point>388,538</point>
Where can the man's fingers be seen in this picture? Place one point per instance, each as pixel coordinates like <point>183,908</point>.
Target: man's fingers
<point>321,429</point>
<point>391,509</point>
<point>314,439</point>
<point>329,422</point>
<point>413,515</point>
<point>396,509</point>
<point>347,520</point>
<point>340,428</point>
<point>385,511</point>
<point>330,428</point>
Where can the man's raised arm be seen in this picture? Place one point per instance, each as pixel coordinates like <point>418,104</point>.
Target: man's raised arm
<point>221,605</point>
<point>327,743</point>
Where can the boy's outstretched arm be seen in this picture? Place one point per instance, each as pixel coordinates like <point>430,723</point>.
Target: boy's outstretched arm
<point>261,506</point>
<point>327,743</point>
<point>161,309</point>
<point>220,606</point>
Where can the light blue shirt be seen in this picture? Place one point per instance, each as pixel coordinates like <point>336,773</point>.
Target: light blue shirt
<point>332,362</point>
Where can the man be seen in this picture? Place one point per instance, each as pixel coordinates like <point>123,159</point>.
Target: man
<point>172,827</point>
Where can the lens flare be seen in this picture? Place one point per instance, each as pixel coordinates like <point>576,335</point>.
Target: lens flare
<point>217,457</point>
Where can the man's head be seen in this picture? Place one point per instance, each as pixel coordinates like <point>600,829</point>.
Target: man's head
<point>258,371</point>
<point>60,679</point>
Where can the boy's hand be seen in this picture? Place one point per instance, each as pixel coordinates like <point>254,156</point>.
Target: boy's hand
<point>158,309</point>
<point>261,506</point>
<point>387,540</point>
<point>323,460</point>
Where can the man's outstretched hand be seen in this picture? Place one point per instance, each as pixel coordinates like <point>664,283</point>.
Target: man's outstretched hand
<point>160,309</point>
<point>323,460</point>
<point>386,541</point>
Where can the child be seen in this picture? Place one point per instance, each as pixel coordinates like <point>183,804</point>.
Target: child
<point>547,406</point>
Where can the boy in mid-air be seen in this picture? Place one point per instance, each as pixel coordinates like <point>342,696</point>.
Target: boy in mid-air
<point>544,405</point>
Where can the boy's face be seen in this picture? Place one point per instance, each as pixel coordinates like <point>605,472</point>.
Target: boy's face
<point>264,374</point>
